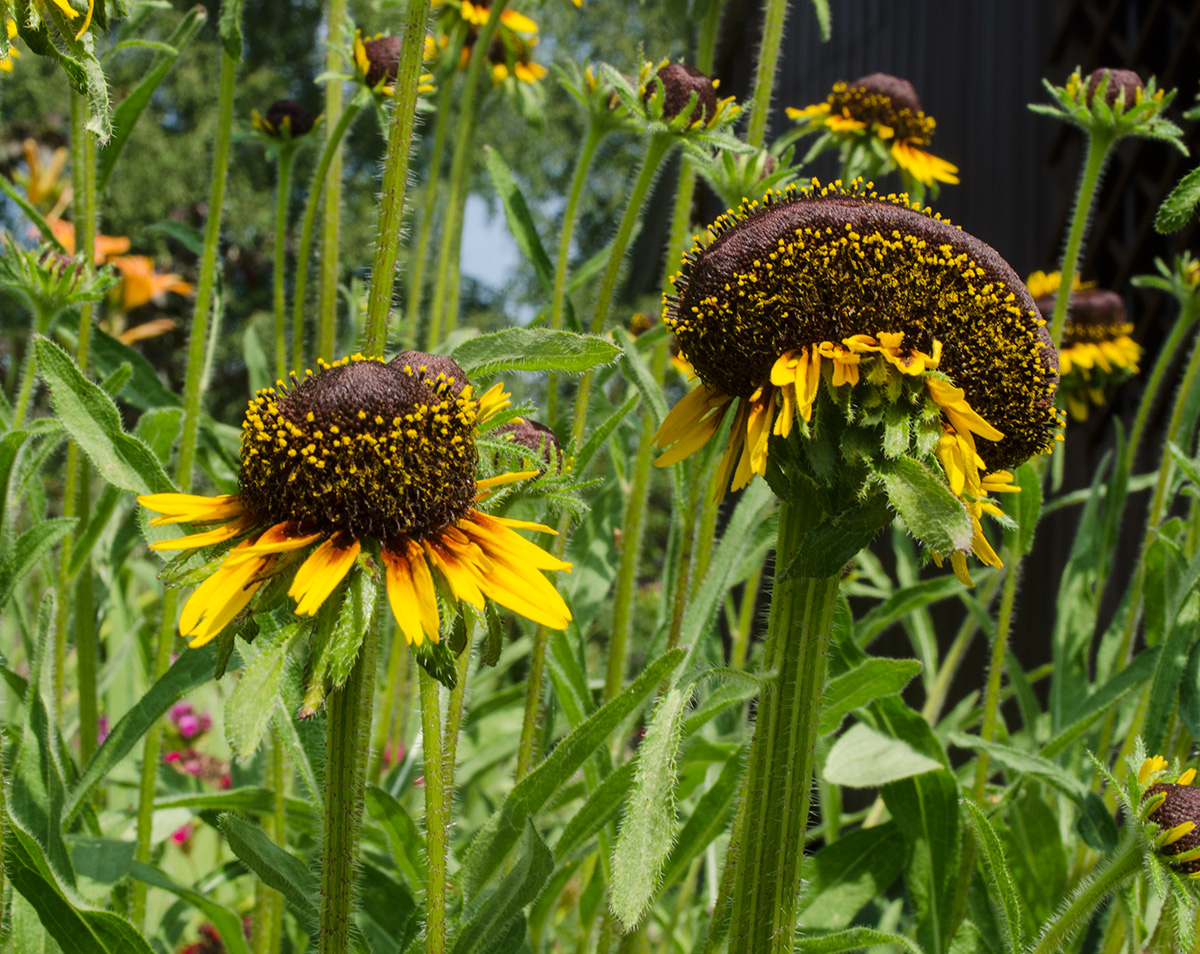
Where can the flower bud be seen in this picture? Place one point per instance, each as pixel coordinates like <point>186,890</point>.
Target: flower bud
<point>1124,83</point>
<point>536,437</point>
<point>288,117</point>
<point>383,59</point>
<point>679,81</point>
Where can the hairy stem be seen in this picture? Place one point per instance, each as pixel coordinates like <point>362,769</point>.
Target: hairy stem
<point>420,257</point>
<point>437,818</point>
<point>1120,866</point>
<point>331,219</point>
<point>774,14</point>
<point>558,298</point>
<point>1097,155</point>
<point>304,249</point>
<point>395,178</point>
<point>442,318</point>
<point>656,150</point>
<point>347,734</point>
<point>283,188</point>
<point>779,774</point>
<point>991,698</point>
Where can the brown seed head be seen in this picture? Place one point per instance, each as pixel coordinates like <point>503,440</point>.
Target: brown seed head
<point>886,100</point>
<point>299,118</point>
<point>1182,804</point>
<point>679,81</point>
<point>1093,314</point>
<point>1125,83</point>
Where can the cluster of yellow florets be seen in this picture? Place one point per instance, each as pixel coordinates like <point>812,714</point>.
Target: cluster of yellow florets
<point>381,450</point>
<point>874,106</point>
<point>825,264</point>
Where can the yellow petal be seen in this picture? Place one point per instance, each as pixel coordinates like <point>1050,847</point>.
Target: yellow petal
<point>692,408</point>
<point>518,21</point>
<point>219,599</point>
<point>729,458</point>
<point>490,535</point>
<point>66,9</point>
<point>694,439</point>
<point>191,508</point>
<point>461,574</point>
<point>1187,777</point>
<point>501,479</point>
<point>209,537</point>
<point>402,597</point>
<point>281,538</point>
<point>321,573</point>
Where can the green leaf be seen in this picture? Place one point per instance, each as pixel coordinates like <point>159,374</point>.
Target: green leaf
<point>869,680</point>
<point>520,224</point>
<point>925,809</point>
<point>710,817</point>
<point>500,833</point>
<point>1180,205</point>
<point>930,511</point>
<point>76,929</point>
<point>194,667</point>
<point>1026,763</point>
<point>846,875</point>
<point>603,431</point>
<point>492,915</point>
<point>144,389</point>
<point>406,841</point>
<point>252,703</point>
<point>827,548</point>
<point>648,829</point>
<point>533,349</point>
<point>277,868</point>
<point>601,805</point>
<point>999,876</point>
<point>102,510</point>
<point>864,758</point>
<point>32,214</point>
<point>824,19</point>
<point>227,923</point>
<point>125,116</point>
<point>91,418</point>
<point>31,547</point>
<point>639,373</point>
<point>229,28</point>
<point>1189,692</point>
<point>853,939</point>
<point>1026,506</point>
<point>345,617</point>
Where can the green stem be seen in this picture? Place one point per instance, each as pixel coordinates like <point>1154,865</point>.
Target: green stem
<point>558,299</point>
<point>687,549</point>
<point>779,773</point>
<point>304,249</point>
<point>85,638</point>
<point>437,819</point>
<point>657,148</point>
<point>420,257</point>
<point>441,313</point>
<point>393,698</point>
<point>740,651</point>
<point>193,389</point>
<point>1097,153</point>
<point>151,750</point>
<point>526,755</point>
<point>331,220</point>
<point>347,735</point>
<point>287,153</point>
<point>774,13</point>
<point>1119,867</point>
<point>991,699</point>
<point>1166,355</point>
<point>454,714</point>
<point>395,178</point>
<point>41,324</point>
<point>932,709</point>
<point>267,929</point>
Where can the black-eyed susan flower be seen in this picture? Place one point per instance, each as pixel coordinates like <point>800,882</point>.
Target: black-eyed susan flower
<point>1097,350</point>
<point>860,330</point>
<point>364,458</point>
<point>1174,806</point>
<point>884,108</point>
<point>377,62</point>
<point>285,119</point>
<point>510,52</point>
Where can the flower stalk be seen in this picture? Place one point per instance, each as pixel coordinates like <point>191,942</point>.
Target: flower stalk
<point>774,14</point>
<point>303,251</point>
<point>192,395</point>
<point>395,178</point>
<point>420,256</point>
<point>346,747</point>
<point>1099,145</point>
<point>331,221</point>
<point>656,150</point>
<point>287,153</point>
<point>587,151</point>
<point>443,315</point>
<point>991,699</point>
<point>779,772</point>
<point>437,818</point>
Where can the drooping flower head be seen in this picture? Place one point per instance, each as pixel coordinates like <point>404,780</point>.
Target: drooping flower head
<point>886,108</point>
<point>510,52</point>
<point>364,453</point>
<point>679,83</point>
<point>285,119</point>
<point>870,329</point>
<point>1097,350</point>
<point>377,61</point>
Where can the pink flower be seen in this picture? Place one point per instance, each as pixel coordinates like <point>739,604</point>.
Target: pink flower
<point>182,835</point>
